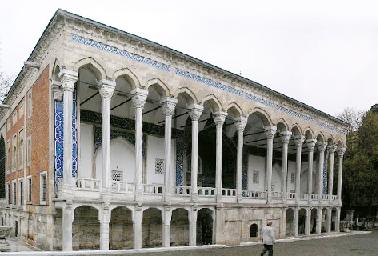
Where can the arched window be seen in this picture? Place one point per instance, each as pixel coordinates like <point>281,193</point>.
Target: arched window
<point>253,230</point>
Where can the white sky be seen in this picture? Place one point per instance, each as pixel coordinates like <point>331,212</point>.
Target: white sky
<point>323,53</point>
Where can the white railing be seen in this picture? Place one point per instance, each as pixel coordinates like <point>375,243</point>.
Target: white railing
<point>153,189</point>
<point>206,191</point>
<point>314,196</point>
<point>291,195</point>
<point>333,197</point>
<point>88,184</point>
<point>228,192</point>
<point>276,194</point>
<point>325,197</point>
<point>253,194</point>
<point>123,187</point>
<point>183,190</point>
<point>305,196</point>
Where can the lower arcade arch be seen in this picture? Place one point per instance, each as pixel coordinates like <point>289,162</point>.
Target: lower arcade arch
<point>302,221</point>
<point>121,235</point>
<point>152,228</point>
<point>333,219</point>
<point>290,222</point>
<point>205,224</point>
<point>85,228</point>
<point>180,227</point>
<point>313,222</point>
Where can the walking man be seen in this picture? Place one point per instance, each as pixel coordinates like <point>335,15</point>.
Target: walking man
<point>268,239</point>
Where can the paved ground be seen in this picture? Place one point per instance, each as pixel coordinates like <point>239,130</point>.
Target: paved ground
<point>350,245</point>
<point>366,244</point>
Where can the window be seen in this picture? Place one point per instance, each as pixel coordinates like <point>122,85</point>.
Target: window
<point>14,152</point>
<point>255,177</point>
<point>21,109</point>
<point>116,175</point>
<point>29,189</point>
<point>292,178</point>
<point>28,151</point>
<point>253,230</point>
<point>14,199</point>
<point>21,191</point>
<point>14,117</point>
<point>43,187</point>
<point>159,166</point>
<point>9,164</point>
<point>29,106</point>
<point>21,149</point>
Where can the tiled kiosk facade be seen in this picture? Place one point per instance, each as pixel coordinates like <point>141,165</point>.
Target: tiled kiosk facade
<point>113,141</point>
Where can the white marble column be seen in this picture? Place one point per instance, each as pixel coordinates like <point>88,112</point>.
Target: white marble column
<point>240,125</point>
<point>269,132</point>
<point>285,138</point>
<point>319,221</point>
<point>219,119</point>
<point>137,227</point>
<point>106,90</point>
<point>193,213</point>
<point>195,114</point>
<point>166,237</point>
<point>296,221</point>
<point>69,79</point>
<point>321,148</point>
<point>169,105</point>
<point>139,99</point>
<point>331,149</point>
<point>337,221</point>
<point>104,219</point>
<point>67,219</point>
<point>310,146</point>
<point>340,154</point>
<point>298,142</point>
<point>328,220</point>
<point>308,222</point>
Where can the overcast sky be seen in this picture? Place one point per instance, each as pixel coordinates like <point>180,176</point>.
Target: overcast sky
<point>323,53</point>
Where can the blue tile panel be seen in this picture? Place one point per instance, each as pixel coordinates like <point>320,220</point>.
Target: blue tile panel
<point>58,140</point>
<point>201,79</point>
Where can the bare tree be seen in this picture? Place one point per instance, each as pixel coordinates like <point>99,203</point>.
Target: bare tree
<point>5,84</point>
<point>352,117</point>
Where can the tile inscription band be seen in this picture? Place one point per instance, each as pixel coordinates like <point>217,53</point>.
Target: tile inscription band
<point>203,80</point>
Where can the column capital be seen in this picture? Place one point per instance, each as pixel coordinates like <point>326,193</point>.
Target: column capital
<point>285,137</point>
<point>322,146</point>
<point>139,97</point>
<point>299,139</point>
<point>270,131</point>
<point>168,105</point>
<point>341,151</point>
<point>106,88</point>
<point>219,117</point>
<point>196,112</point>
<point>311,144</point>
<point>241,123</point>
<point>332,148</point>
<point>68,77</point>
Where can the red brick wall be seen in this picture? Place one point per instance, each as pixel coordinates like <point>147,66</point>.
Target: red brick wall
<point>40,123</point>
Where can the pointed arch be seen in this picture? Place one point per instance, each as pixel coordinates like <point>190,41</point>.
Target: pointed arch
<point>309,133</point>
<point>214,103</point>
<point>94,65</point>
<point>263,114</point>
<point>320,137</point>
<point>282,125</point>
<point>129,75</point>
<point>296,129</point>
<point>234,107</point>
<point>163,90</point>
<point>187,91</point>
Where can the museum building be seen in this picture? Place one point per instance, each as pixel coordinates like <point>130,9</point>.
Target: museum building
<point>112,141</point>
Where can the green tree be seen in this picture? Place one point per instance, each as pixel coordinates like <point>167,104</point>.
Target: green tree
<point>361,165</point>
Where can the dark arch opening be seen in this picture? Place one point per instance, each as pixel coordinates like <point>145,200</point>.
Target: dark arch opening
<point>204,227</point>
<point>253,230</point>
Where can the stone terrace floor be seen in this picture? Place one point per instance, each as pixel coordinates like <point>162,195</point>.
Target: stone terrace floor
<point>347,245</point>
<point>361,244</point>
